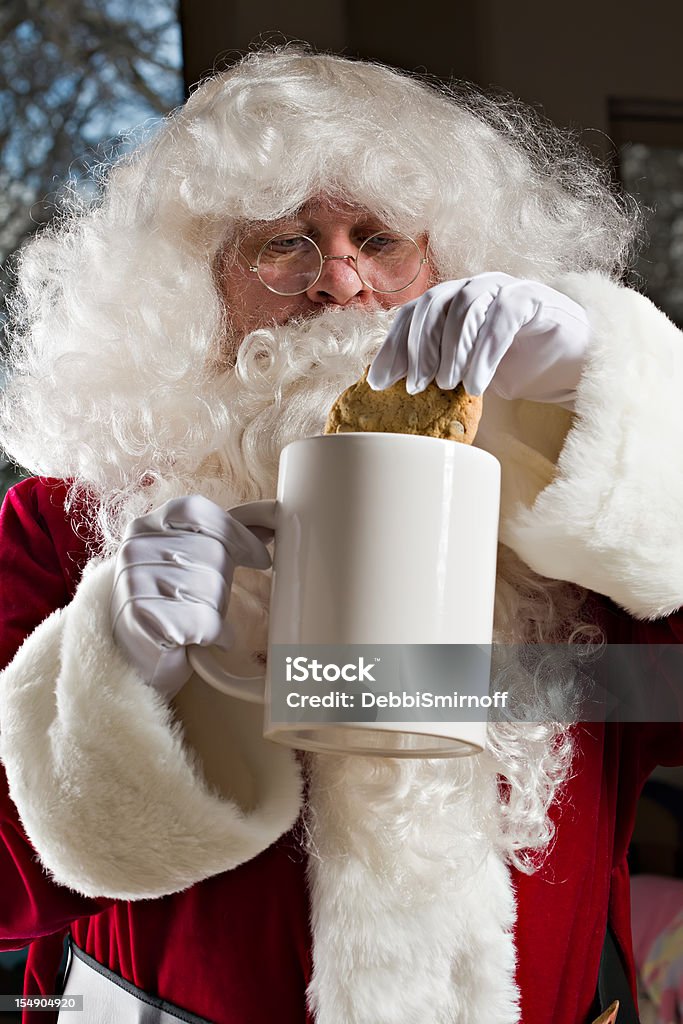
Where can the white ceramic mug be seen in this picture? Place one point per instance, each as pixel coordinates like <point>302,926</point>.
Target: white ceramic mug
<point>380,539</point>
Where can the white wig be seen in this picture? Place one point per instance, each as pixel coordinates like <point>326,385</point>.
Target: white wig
<point>116,322</point>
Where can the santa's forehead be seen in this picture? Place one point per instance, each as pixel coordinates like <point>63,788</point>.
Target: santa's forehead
<point>334,207</point>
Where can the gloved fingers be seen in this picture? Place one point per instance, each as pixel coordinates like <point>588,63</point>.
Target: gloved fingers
<point>511,308</point>
<point>174,572</point>
<point>391,361</point>
<point>161,552</point>
<point>463,328</point>
<point>195,514</point>
<point>155,638</point>
<point>426,341</point>
<point>464,331</point>
<point>426,338</point>
<point>199,570</point>
<point>157,623</point>
<point>172,668</point>
<point>190,585</point>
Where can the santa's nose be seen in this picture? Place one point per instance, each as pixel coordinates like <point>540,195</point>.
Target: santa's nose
<point>339,283</point>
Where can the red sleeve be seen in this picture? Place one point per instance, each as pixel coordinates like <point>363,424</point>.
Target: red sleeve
<point>41,559</point>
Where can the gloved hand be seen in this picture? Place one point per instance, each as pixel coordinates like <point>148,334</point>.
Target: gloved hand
<point>172,584</point>
<point>522,338</point>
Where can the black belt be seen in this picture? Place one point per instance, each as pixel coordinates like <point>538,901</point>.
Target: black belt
<point>613,983</point>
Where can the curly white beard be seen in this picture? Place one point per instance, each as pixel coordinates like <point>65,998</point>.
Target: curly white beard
<point>409,860</point>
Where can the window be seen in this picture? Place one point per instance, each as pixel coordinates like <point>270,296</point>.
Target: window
<point>75,78</point>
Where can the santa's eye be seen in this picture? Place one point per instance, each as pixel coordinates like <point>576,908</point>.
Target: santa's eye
<point>285,245</point>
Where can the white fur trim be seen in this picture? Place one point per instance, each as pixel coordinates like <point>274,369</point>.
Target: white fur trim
<point>110,796</point>
<point>412,908</point>
<point>611,518</point>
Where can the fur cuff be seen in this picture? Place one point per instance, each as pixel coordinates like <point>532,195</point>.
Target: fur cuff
<point>610,520</point>
<point>110,795</point>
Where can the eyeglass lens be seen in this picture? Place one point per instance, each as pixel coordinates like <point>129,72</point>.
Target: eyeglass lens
<point>386,262</point>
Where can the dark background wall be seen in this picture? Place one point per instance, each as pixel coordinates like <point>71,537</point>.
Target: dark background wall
<point>583,62</point>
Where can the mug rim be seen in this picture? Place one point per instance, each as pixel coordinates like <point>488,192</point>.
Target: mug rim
<point>391,436</point>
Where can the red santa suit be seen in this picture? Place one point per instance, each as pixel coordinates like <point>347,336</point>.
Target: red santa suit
<point>208,901</point>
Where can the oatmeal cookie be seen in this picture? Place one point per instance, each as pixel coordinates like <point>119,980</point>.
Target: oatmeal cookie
<point>434,412</point>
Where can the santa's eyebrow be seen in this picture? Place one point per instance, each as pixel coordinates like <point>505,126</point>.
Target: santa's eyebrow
<point>266,231</point>
<point>306,225</point>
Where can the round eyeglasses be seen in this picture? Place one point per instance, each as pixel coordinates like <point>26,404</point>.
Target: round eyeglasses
<point>290,264</point>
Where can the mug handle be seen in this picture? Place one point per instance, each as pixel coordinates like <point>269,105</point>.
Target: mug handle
<point>203,659</point>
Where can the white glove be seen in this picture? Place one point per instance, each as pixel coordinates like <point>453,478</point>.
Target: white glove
<point>522,338</point>
<point>172,584</point>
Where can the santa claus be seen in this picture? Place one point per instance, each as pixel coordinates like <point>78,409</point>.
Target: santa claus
<point>300,217</point>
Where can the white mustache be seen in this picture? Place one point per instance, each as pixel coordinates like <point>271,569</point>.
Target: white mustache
<point>328,339</point>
